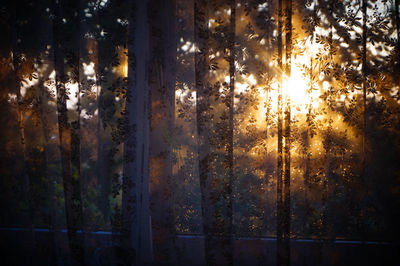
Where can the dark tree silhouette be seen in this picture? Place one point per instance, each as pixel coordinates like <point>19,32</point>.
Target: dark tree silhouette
<point>136,223</point>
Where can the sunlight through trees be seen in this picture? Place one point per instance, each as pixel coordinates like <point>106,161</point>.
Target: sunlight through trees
<point>195,132</point>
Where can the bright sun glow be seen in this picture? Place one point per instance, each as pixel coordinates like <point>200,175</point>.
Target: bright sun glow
<point>297,90</point>
<point>297,86</point>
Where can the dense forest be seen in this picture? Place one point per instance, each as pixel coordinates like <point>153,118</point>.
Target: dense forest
<point>195,132</point>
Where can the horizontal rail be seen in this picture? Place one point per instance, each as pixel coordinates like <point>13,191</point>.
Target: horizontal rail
<point>194,236</point>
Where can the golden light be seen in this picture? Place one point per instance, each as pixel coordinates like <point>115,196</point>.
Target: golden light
<point>298,91</point>
<point>297,87</point>
<point>124,69</point>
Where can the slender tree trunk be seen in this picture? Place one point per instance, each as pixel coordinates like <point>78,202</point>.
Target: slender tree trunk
<point>364,124</point>
<point>21,124</point>
<point>94,47</point>
<point>102,169</point>
<point>163,75</point>
<point>268,114</point>
<point>76,133</point>
<point>102,164</point>
<point>266,206</point>
<point>72,200</point>
<point>230,129</point>
<point>135,192</point>
<point>279,199</point>
<point>285,258</point>
<point>328,146</point>
<point>329,153</point>
<point>201,35</point>
<point>44,112</point>
<point>80,54</point>
<point>24,171</point>
<point>397,16</point>
<point>307,157</point>
<point>364,78</point>
<point>307,168</point>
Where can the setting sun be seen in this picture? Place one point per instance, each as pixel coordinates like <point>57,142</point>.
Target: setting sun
<point>297,89</point>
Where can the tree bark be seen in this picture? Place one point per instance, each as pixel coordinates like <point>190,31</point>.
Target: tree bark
<point>73,206</point>
<point>136,221</point>
<point>279,183</point>
<point>284,251</point>
<point>306,151</point>
<point>102,164</point>
<point>364,124</point>
<point>230,194</point>
<point>201,35</point>
<point>17,60</point>
<point>163,76</point>
<point>96,50</point>
<point>364,77</point>
<point>44,120</point>
<point>397,16</point>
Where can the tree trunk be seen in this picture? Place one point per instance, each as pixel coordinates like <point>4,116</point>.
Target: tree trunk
<point>364,77</point>
<point>44,120</point>
<point>364,124</point>
<point>201,35</point>
<point>136,221</point>
<point>232,34</point>
<point>15,51</point>
<point>73,207</point>
<point>279,199</point>
<point>95,49</point>
<point>397,16</point>
<point>163,75</point>
<point>284,259</point>
<point>102,164</point>
<point>306,151</point>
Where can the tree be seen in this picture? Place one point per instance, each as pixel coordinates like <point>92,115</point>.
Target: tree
<point>163,55</point>
<point>201,35</point>
<point>364,71</point>
<point>397,18</point>
<point>279,186</point>
<point>111,86</point>
<point>18,74</point>
<point>286,186</point>
<point>73,204</point>
<point>231,107</point>
<point>136,224</point>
